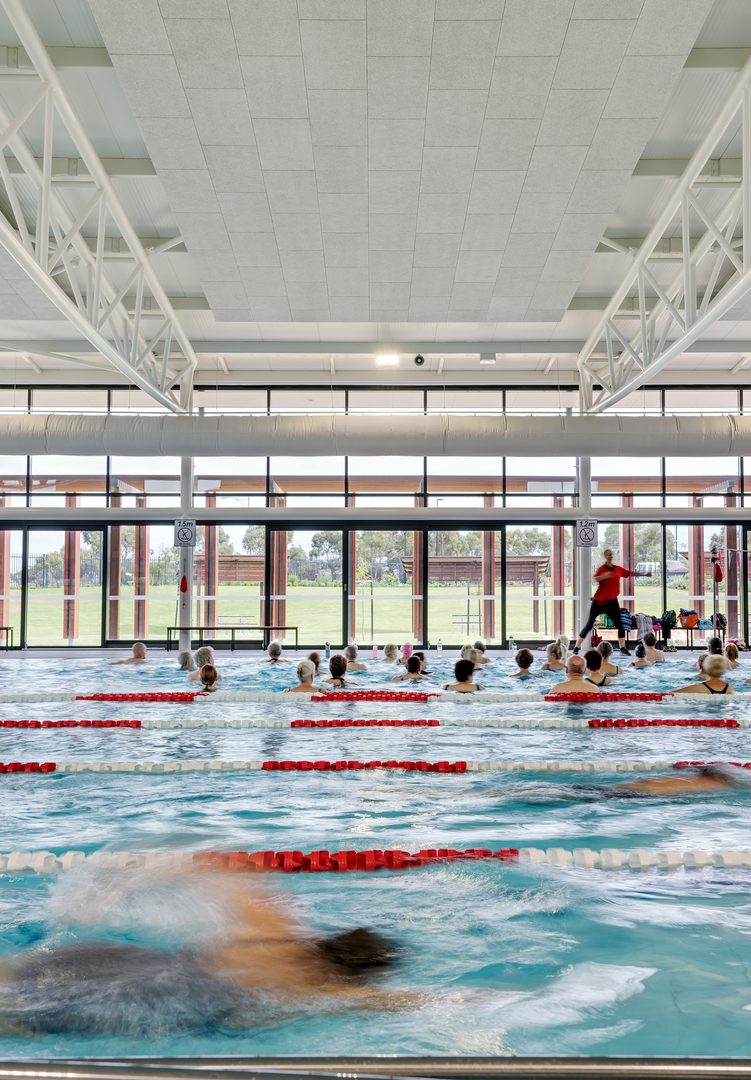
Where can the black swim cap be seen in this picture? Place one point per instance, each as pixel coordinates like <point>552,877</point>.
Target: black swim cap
<point>354,952</point>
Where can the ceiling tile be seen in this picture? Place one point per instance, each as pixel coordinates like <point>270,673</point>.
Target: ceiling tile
<point>447,169</point>
<point>292,190</point>
<point>469,9</point>
<point>137,26</point>
<point>235,168</point>
<point>506,144</point>
<point>598,192</point>
<point>347,281</point>
<point>225,295</point>
<point>269,308</point>
<point>245,212</point>
<point>194,9</point>
<point>508,308</point>
<point>338,117</point>
<point>519,87</point>
<point>437,249</point>
<point>334,52</point>
<point>307,294</point>
<point>571,117</point>
<point>172,143</point>
<point>545,315</point>
<point>392,232</point>
<point>566,266</point>
<point>486,232</point>
<point>478,266</point>
<point>607,9</point>
<point>389,295</point>
<point>643,86</point>
<point>398,87</point>
<point>580,232</point>
<point>669,26</point>
<point>394,192</point>
<point>517,281</point>
<point>553,294</point>
<point>432,281</point>
<point>216,266</point>
<point>495,192</point>
<point>298,232</point>
<point>618,144</point>
<point>189,189</point>
<point>554,168</point>
<point>205,52</point>
<point>343,213</point>
<point>203,232</point>
<point>275,86</point>
<point>441,213</point>
<point>474,296</point>
<point>346,249</point>
<point>463,54</point>
<point>388,315</point>
<point>395,144</point>
<point>239,315</point>
<point>429,307</point>
<point>303,266</point>
<point>342,170</point>
<point>331,9</point>
<point>284,144</point>
<point>454,117</point>
<point>592,53</point>
<point>534,27</point>
<point>152,85</point>
<point>222,117</point>
<point>255,249</point>
<point>391,267</point>
<point>540,213</point>
<point>400,27</point>
<point>350,309</point>
<point>467,315</point>
<point>311,315</point>
<point>265,27</point>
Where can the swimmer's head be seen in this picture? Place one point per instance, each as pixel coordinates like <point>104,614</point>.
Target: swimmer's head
<point>209,676</point>
<point>351,652</point>
<point>640,651</point>
<point>315,659</point>
<point>305,671</point>
<point>357,952</point>
<point>204,655</point>
<point>524,659</point>
<point>274,650</point>
<point>649,640</point>
<point>466,650</point>
<point>557,649</point>
<point>407,648</point>
<point>338,665</point>
<point>185,661</point>
<point>731,651</point>
<point>576,665</point>
<point>464,670</point>
<point>391,651</point>
<point>714,667</point>
<point>593,660</point>
<point>605,649</point>
<point>139,650</point>
<point>714,646</point>
<point>480,646</point>
<point>414,664</point>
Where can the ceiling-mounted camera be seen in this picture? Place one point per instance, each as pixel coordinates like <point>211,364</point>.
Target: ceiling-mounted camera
<point>419,360</point>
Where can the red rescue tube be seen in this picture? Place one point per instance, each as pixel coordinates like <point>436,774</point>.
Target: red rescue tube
<point>662,722</point>
<point>348,861</point>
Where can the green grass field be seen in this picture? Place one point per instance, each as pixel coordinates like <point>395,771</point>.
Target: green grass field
<point>317,610</point>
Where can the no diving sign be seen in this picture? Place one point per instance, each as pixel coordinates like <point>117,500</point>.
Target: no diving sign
<point>185,533</point>
<point>586,534</point>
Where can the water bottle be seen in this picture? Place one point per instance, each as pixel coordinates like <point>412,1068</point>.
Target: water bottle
<point>439,646</point>
<point>375,652</point>
<point>511,645</point>
<point>327,650</point>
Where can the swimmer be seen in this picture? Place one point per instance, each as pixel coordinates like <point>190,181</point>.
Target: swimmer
<point>714,646</point>
<point>700,663</point>
<point>556,652</point>
<point>274,653</point>
<point>469,652</point>
<point>714,668</point>
<point>413,672</point>
<point>337,670</point>
<point>186,661</point>
<point>305,674</point>
<point>654,655</point>
<point>316,660</point>
<point>463,673</point>
<point>391,653</point>
<point>605,649</point>
<point>353,664</point>
<point>263,964</point>
<point>138,657</point>
<point>524,660</point>
<point>406,653</point>
<point>732,655</point>
<point>204,655</point>
<point>209,678</point>
<point>641,657</point>
<point>704,778</point>
<point>480,647</point>
<point>575,683</point>
<point>423,660</point>
<point>596,676</point>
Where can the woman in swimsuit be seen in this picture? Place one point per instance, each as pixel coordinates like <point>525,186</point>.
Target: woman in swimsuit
<point>714,667</point>
<point>595,674</point>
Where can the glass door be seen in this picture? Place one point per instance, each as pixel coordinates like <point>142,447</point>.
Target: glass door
<point>64,605</point>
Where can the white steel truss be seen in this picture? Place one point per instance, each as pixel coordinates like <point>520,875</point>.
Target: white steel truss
<point>709,222</point>
<point>46,237</point>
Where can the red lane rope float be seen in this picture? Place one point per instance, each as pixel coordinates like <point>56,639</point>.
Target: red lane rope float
<point>27,767</point>
<point>375,695</point>
<point>313,862</point>
<point>363,723</point>
<point>340,766</point>
<point>662,722</point>
<point>70,723</point>
<point>696,764</point>
<point>176,695</point>
<point>585,698</point>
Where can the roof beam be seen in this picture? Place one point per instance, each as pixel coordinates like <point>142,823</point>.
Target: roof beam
<point>14,60</point>
<point>72,170</point>
<point>731,59</point>
<point>716,170</point>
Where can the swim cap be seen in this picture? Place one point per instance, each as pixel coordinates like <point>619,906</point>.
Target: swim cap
<point>406,649</point>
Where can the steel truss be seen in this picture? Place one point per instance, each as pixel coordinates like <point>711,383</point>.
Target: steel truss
<point>709,223</point>
<point>46,238</point>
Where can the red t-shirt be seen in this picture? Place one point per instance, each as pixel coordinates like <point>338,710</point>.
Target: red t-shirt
<point>609,589</point>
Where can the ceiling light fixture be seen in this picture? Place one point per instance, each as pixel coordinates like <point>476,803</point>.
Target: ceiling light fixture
<point>387,360</point>
<point>487,357</point>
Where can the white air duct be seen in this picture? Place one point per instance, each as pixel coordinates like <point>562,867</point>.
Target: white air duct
<point>436,435</point>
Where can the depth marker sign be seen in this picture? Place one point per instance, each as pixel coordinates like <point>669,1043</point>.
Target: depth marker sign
<point>185,533</point>
<point>586,534</point>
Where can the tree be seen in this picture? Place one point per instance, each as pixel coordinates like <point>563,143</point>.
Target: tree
<point>527,542</point>
<point>223,542</point>
<point>254,540</point>
<point>326,545</point>
<point>647,542</point>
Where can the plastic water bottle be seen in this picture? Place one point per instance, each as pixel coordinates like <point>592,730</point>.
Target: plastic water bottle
<point>327,650</point>
<point>511,645</point>
<point>375,652</point>
<point>439,646</point>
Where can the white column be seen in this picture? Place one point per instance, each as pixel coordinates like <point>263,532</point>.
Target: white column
<point>185,601</point>
<point>584,559</point>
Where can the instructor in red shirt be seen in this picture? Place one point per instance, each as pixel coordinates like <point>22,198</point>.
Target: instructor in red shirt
<point>605,599</point>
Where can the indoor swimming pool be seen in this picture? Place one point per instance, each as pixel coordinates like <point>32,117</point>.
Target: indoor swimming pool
<point>504,958</point>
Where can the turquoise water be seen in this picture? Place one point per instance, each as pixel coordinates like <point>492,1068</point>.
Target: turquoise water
<point>510,960</point>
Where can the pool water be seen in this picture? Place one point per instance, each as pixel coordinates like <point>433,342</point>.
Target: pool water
<point>507,959</point>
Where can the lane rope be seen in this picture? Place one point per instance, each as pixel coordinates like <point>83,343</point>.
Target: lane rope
<point>210,723</point>
<point>323,861</point>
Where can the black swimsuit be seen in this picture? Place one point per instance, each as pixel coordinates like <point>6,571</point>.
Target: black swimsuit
<point>723,691</point>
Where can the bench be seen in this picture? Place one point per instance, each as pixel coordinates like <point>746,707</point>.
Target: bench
<point>8,631</point>
<point>173,634</point>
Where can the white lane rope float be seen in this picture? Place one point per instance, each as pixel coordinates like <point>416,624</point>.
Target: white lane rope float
<point>279,697</point>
